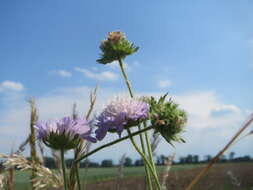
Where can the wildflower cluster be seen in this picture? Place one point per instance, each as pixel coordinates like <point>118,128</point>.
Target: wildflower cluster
<point>65,133</point>
<point>122,113</point>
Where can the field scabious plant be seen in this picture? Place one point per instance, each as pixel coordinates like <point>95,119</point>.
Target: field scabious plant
<point>161,115</point>
<point>165,118</point>
<point>121,114</point>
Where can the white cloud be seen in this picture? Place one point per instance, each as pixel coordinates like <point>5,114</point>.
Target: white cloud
<point>201,107</point>
<point>64,73</point>
<point>61,73</point>
<point>11,86</point>
<point>164,83</point>
<point>105,75</point>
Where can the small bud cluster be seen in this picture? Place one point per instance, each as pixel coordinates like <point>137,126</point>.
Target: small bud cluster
<point>115,47</point>
<point>167,118</point>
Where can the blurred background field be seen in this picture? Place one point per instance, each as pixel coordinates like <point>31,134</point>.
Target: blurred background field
<point>225,176</point>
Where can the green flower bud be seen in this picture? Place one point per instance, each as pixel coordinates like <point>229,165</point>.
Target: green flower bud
<point>167,118</point>
<point>115,47</point>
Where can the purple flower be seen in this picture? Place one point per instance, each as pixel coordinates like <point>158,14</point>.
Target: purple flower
<point>120,113</point>
<point>65,133</point>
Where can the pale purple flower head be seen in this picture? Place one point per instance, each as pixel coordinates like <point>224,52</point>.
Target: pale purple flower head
<point>121,112</point>
<point>65,133</point>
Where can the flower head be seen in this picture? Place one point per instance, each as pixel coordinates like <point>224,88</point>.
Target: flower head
<point>121,113</point>
<point>167,118</point>
<point>65,133</point>
<point>116,47</point>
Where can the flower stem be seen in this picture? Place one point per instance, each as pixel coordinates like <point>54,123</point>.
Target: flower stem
<point>149,181</point>
<point>150,154</point>
<point>145,160</point>
<point>126,78</point>
<point>139,127</point>
<point>112,143</point>
<point>63,170</point>
<point>77,176</point>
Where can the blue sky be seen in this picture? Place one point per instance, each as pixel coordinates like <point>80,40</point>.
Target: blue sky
<point>201,52</point>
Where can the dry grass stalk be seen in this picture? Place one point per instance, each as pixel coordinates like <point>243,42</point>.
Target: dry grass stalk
<point>21,147</point>
<point>57,159</point>
<point>234,179</point>
<point>216,158</point>
<point>44,176</point>
<point>120,171</point>
<point>41,148</point>
<point>2,181</point>
<point>84,146</point>
<point>11,171</point>
<point>93,98</point>
<point>10,177</point>
<point>121,166</point>
<point>168,164</point>
<point>34,158</point>
<point>155,141</point>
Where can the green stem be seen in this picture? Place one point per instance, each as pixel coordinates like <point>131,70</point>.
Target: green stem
<point>126,78</point>
<point>112,143</point>
<point>63,169</point>
<point>139,127</point>
<point>149,181</point>
<point>77,176</point>
<point>145,160</point>
<point>150,154</point>
<point>141,135</point>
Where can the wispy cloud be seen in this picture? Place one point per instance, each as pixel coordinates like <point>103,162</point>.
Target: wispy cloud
<point>206,110</point>
<point>105,75</point>
<point>11,86</point>
<point>61,73</point>
<point>164,83</point>
<point>64,73</point>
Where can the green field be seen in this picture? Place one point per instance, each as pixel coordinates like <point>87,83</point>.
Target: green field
<point>96,174</point>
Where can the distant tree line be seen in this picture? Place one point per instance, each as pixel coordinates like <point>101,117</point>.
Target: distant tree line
<point>194,159</point>
<point>161,160</point>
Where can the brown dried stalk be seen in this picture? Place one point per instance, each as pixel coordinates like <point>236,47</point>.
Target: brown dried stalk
<point>57,159</point>
<point>120,171</point>
<point>93,98</point>
<point>41,148</point>
<point>84,146</point>
<point>2,181</point>
<point>168,164</point>
<point>10,177</point>
<point>216,158</point>
<point>155,141</point>
<point>121,166</point>
<point>34,158</point>
<point>21,147</point>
